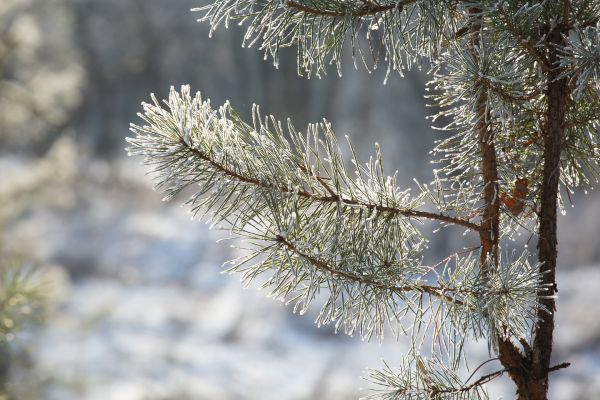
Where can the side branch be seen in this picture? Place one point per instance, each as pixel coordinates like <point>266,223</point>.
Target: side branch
<point>525,41</point>
<point>369,8</point>
<point>490,232</point>
<point>508,354</point>
<point>435,291</point>
<point>332,197</point>
<point>559,366</point>
<point>507,96</point>
<point>479,382</point>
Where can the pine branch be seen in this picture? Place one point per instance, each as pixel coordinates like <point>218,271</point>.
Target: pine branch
<point>479,382</point>
<point>419,378</point>
<point>507,95</point>
<point>440,292</point>
<point>316,231</point>
<point>22,295</point>
<point>407,30</point>
<point>335,197</point>
<point>312,226</point>
<point>369,8</point>
<point>435,291</point>
<point>179,147</point>
<point>579,60</point>
<point>527,38</point>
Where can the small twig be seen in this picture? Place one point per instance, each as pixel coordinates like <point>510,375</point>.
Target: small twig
<point>506,95</point>
<point>482,380</point>
<point>481,365</point>
<point>462,32</point>
<point>319,179</point>
<point>525,42</point>
<point>559,366</point>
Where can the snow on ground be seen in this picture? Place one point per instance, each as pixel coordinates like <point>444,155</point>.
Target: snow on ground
<point>145,314</point>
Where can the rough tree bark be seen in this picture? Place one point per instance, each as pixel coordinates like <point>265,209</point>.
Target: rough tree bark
<point>557,95</point>
<point>529,367</point>
<point>529,370</point>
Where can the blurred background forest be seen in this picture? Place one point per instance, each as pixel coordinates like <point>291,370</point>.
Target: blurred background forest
<point>134,306</point>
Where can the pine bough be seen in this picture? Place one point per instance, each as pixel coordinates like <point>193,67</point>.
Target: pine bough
<point>316,231</point>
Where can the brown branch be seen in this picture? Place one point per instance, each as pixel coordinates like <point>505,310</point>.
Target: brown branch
<point>369,8</point>
<point>319,179</point>
<point>436,291</point>
<point>525,42</point>
<point>510,357</point>
<point>334,198</point>
<point>481,381</point>
<point>559,366</point>
<point>462,32</point>
<point>490,231</point>
<point>512,98</point>
<point>587,23</point>
<point>314,11</point>
<point>565,16</point>
<point>557,95</point>
<point>544,63</point>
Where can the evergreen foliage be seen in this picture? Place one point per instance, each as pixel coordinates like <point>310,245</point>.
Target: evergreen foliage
<point>22,298</point>
<point>316,226</point>
<point>519,83</point>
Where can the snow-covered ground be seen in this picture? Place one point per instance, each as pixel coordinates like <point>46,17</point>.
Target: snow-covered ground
<point>144,313</point>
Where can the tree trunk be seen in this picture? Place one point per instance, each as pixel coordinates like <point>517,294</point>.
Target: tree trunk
<point>531,375</point>
<point>557,95</point>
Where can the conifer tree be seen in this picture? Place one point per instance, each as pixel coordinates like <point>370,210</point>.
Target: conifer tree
<point>519,83</point>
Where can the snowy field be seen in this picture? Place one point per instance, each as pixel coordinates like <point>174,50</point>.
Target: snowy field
<point>142,312</point>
